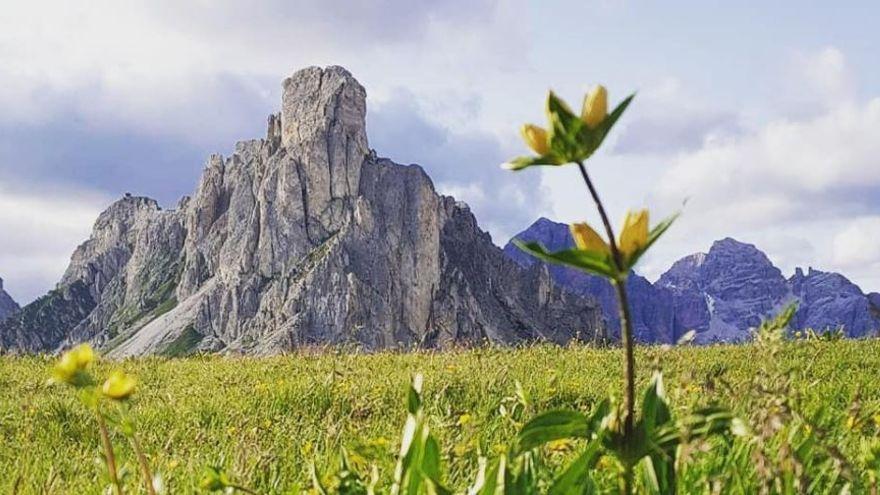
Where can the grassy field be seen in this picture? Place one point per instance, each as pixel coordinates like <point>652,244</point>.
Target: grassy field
<point>264,419</point>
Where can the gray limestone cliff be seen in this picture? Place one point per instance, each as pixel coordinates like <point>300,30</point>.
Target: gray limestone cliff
<point>305,238</point>
<point>7,304</point>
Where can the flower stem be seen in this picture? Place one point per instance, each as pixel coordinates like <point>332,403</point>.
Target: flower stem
<point>145,468</point>
<point>619,283</point>
<point>138,451</point>
<point>243,489</point>
<point>108,453</point>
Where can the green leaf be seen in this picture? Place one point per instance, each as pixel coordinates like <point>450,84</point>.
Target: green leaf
<point>493,481</point>
<point>655,408</point>
<point>605,127</point>
<point>552,425</point>
<point>522,162</point>
<point>698,424</point>
<point>524,477</point>
<point>595,263</point>
<point>658,474</point>
<point>316,480</point>
<point>592,139</point>
<point>431,458</point>
<point>658,467</point>
<point>575,480</point>
<point>414,397</point>
<point>564,134</point>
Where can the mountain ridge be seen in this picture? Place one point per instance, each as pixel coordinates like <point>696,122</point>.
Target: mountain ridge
<point>304,238</point>
<point>720,294</point>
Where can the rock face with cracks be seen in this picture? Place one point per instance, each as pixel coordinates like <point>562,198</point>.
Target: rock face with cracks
<point>305,238</point>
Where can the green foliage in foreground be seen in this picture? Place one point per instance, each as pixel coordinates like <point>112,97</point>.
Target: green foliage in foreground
<point>812,409</point>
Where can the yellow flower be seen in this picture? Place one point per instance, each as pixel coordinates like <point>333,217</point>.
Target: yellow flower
<point>561,445</point>
<point>536,138</point>
<point>851,422</point>
<point>119,386</point>
<point>73,363</point>
<point>464,419</point>
<point>586,239</point>
<point>595,106</point>
<point>634,235</point>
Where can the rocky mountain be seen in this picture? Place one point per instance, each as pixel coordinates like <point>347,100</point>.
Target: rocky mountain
<point>7,304</point>
<point>721,294</point>
<point>303,238</point>
<point>651,307</point>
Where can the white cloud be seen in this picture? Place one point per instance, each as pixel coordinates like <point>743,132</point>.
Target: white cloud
<point>160,66</point>
<point>786,170</point>
<point>668,118</point>
<point>789,184</point>
<point>802,184</point>
<point>856,245</point>
<point>38,232</point>
<point>817,82</point>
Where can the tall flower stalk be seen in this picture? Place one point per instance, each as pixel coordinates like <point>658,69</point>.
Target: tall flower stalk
<point>73,369</point>
<point>573,139</point>
<point>626,333</point>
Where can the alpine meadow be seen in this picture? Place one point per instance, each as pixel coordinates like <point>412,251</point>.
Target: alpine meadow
<point>315,317</point>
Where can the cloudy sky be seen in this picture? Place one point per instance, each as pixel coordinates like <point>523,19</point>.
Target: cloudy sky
<point>765,117</point>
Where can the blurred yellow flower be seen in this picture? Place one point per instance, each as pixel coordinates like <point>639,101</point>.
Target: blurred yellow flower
<point>119,386</point>
<point>464,419</point>
<point>634,235</point>
<point>536,138</point>
<point>595,106</point>
<point>561,445</point>
<point>72,363</point>
<point>851,422</point>
<point>587,239</point>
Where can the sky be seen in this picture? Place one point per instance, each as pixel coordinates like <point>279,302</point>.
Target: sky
<point>759,120</point>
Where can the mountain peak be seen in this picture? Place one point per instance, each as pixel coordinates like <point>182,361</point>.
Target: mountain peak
<point>546,222</point>
<point>316,102</point>
<point>729,243</point>
<point>302,238</point>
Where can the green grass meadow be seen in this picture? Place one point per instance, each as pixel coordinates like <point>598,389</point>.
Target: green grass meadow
<point>264,419</point>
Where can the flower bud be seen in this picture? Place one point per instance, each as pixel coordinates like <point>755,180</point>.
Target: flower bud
<point>595,106</point>
<point>634,235</point>
<point>586,239</point>
<point>536,138</point>
<point>119,386</point>
<point>71,367</point>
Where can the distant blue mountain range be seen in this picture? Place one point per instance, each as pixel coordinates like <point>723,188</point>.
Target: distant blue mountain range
<point>721,294</point>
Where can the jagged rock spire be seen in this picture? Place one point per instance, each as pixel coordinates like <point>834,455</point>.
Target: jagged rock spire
<point>323,115</point>
<point>303,238</point>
